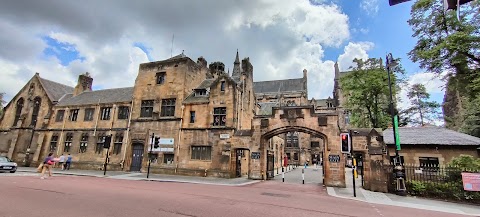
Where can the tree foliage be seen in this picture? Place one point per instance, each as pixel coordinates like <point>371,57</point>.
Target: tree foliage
<point>445,43</point>
<point>367,93</point>
<point>450,46</point>
<point>422,110</point>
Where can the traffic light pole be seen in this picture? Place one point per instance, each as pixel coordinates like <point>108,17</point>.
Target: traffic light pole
<point>353,164</point>
<point>150,154</point>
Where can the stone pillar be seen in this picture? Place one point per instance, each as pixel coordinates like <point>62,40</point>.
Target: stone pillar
<point>13,142</point>
<point>334,171</point>
<point>40,145</point>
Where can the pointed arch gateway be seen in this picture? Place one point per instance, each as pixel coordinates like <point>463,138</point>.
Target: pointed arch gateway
<point>301,119</point>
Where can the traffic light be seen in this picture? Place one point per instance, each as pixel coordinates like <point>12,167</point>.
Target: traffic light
<point>108,140</point>
<point>156,143</point>
<point>346,142</point>
<point>453,4</point>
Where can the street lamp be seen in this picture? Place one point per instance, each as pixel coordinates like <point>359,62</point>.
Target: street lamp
<point>398,170</point>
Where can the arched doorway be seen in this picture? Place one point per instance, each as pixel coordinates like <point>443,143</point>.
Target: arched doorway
<point>305,120</point>
<point>137,157</point>
<point>301,154</point>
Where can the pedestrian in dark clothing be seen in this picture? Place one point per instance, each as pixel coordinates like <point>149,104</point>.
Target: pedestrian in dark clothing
<point>68,162</point>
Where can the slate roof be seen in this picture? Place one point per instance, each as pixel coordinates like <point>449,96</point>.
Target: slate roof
<point>277,86</point>
<point>55,90</point>
<point>430,136</point>
<point>192,99</point>
<point>103,96</point>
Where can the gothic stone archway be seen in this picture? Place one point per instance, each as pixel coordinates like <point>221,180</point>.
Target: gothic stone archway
<point>302,119</point>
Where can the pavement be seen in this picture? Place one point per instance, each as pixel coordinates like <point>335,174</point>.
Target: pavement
<point>395,200</point>
<point>293,176</point>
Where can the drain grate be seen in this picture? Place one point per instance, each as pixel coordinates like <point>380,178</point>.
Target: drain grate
<point>275,195</point>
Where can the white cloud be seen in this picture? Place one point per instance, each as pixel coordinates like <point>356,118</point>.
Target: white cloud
<point>433,85</point>
<point>351,51</point>
<point>272,33</point>
<point>371,7</point>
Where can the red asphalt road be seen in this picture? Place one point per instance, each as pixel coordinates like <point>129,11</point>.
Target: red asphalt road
<point>71,196</point>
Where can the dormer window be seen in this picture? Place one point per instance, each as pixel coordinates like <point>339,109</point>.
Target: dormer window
<point>201,92</point>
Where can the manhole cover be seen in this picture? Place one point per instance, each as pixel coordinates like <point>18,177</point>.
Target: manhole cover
<point>275,195</point>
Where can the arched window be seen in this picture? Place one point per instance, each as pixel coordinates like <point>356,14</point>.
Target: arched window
<point>36,108</point>
<point>18,111</point>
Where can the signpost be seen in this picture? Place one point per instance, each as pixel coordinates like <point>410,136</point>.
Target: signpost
<point>397,135</point>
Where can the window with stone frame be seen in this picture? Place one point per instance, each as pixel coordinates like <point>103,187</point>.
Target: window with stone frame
<point>222,86</point>
<point>430,163</point>
<point>18,111</point>
<point>292,139</point>
<point>99,145</point>
<point>160,77</point>
<point>89,114</point>
<point>168,158</point>
<point>105,113</point>
<point>53,143</point>
<point>168,107</point>
<point>73,115</point>
<point>36,108</point>
<point>315,144</point>
<point>60,114</point>
<point>123,112</point>
<point>192,116</point>
<point>146,109</point>
<point>68,142</point>
<point>201,152</point>
<point>219,116</point>
<point>295,156</point>
<point>83,143</point>
<point>117,144</point>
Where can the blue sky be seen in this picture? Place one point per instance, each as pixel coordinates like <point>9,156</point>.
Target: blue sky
<point>281,38</point>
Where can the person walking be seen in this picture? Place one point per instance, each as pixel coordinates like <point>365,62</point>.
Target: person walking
<point>47,165</point>
<point>61,161</point>
<point>68,162</point>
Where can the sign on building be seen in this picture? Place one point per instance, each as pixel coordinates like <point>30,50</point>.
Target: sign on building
<point>225,136</point>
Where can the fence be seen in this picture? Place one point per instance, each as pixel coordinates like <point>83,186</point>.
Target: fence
<point>435,181</point>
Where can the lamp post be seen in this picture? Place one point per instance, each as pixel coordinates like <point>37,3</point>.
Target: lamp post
<point>398,171</point>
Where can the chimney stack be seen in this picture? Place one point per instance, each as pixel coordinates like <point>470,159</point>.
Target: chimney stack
<point>84,84</point>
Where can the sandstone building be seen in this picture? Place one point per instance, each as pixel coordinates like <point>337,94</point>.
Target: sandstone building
<point>209,121</point>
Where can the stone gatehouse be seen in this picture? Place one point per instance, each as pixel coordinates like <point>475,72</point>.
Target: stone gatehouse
<point>209,122</point>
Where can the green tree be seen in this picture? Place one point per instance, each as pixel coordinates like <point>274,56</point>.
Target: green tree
<point>445,43</point>
<point>451,46</point>
<point>367,94</point>
<point>427,111</point>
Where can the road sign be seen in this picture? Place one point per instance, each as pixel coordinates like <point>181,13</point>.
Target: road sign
<point>397,134</point>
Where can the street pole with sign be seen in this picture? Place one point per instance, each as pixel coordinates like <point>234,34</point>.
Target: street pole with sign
<point>398,171</point>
